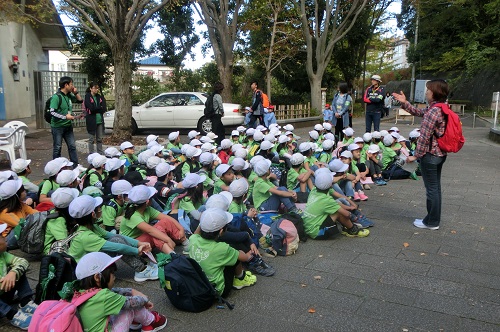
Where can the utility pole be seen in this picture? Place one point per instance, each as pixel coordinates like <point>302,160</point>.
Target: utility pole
<point>412,85</point>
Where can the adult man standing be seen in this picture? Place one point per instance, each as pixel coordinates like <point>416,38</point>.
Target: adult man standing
<point>61,108</point>
<point>257,110</point>
<point>374,99</point>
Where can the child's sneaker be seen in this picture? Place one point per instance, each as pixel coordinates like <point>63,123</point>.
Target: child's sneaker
<point>21,320</point>
<point>149,273</point>
<point>356,197</point>
<point>158,323</point>
<point>29,308</point>
<point>258,266</point>
<point>247,281</point>
<point>362,196</point>
<point>364,222</point>
<point>354,231</point>
<point>135,326</point>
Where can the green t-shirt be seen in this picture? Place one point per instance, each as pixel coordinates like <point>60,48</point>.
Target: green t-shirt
<point>319,206</point>
<point>236,208</point>
<point>346,142</point>
<point>292,181</point>
<point>354,169</point>
<point>96,179</point>
<point>218,186</point>
<point>213,257</point>
<point>362,158</point>
<point>325,157</point>
<point>311,160</point>
<point>55,230</point>
<point>187,205</point>
<point>66,107</point>
<point>47,186</point>
<point>251,181</point>
<point>87,241</point>
<point>388,155</point>
<point>171,146</point>
<point>94,312</point>
<point>261,191</point>
<point>109,213</point>
<point>128,227</point>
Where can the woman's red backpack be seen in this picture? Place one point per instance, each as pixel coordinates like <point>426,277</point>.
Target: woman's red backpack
<point>453,138</point>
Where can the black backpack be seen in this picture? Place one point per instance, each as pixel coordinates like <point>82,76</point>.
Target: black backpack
<point>46,114</point>
<point>187,286</point>
<point>209,106</point>
<point>86,180</point>
<point>56,269</point>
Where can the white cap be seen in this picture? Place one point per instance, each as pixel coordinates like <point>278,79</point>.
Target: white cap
<point>401,138</point>
<point>222,169</point>
<point>207,147</point>
<point>314,134</point>
<point>151,138</point>
<point>250,132</point>
<point>206,139</point>
<point>9,188</point>
<point>195,142</point>
<point>288,133</point>
<point>54,166</point>
<point>121,187</point>
<point>274,126</point>
<point>353,146</point>
<point>92,191</point>
<point>163,169</point>
<point>346,154</point>
<point>367,137</point>
<point>62,197</point>
<point>193,133</point>
<point>297,159</point>
<point>266,145</point>
<point>304,146</point>
<point>327,126</point>
<point>238,187</point>
<point>67,177</point>
<point>288,127</point>
<point>241,153</point>
<point>236,147</point>
<point>212,135</point>
<point>99,161</point>
<point>192,180</point>
<point>330,136</point>
<point>240,164</point>
<point>396,129</point>
<point>262,167</point>
<point>93,263</point>
<point>140,194</point>
<point>323,180</point>
<point>395,134</point>
<point>19,165</point>
<point>318,127</point>
<point>374,148</point>
<point>359,140</point>
<point>258,136</point>
<point>192,152</point>
<point>336,165</point>
<point>219,201</point>
<point>261,128</point>
<point>206,158</point>
<point>376,78</point>
<point>348,131</point>
<point>241,129</point>
<point>327,144</point>
<point>91,157</point>
<point>156,149</point>
<point>111,152</point>
<point>154,161</point>
<point>255,160</point>
<point>173,136</point>
<point>384,133</point>
<point>235,133</point>
<point>283,139</point>
<point>153,143</point>
<point>126,145</point>
<point>226,144</point>
<point>388,140</point>
<point>270,138</point>
<point>414,134</point>
<point>376,134</point>
<point>83,206</point>
<point>5,175</point>
<point>143,157</point>
<point>213,220</point>
<point>184,148</point>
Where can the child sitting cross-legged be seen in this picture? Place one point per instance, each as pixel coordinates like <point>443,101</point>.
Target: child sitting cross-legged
<point>225,174</point>
<point>299,179</point>
<point>112,210</point>
<point>111,309</point>
<point>220,262</point>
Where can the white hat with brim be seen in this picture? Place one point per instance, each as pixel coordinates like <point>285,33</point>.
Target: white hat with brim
<point>83,206</point>
<point>121,187</point>
<point>213,220</point>
<point>337,166</point>
<point>173,136</point>
<point>114,164</point>
<point>221,200</point>
<point>192,180</point>
<point>238,187</point>
<point>262,167</point>
<point>9,188</point>
<point>222,169</point>
<point>140,194</point>
<point>94,263</point>
<point>19,165</point>
<point>67,177</point>
<point>126,145</point>
<point>62,197</point>
<point>323,180</point>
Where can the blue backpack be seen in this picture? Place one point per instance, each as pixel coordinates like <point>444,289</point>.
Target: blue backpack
<point>253,224</point>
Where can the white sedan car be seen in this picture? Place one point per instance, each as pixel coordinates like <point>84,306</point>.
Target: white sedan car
<point>177,110</point>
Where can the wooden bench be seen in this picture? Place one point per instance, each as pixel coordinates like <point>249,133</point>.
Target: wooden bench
<point>401,113</point>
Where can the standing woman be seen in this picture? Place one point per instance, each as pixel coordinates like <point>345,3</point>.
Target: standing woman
<point>340,105</point>
<point>95,106</point>
<point>217,126</point>
<point>374,99</point>
<point>427,150</point>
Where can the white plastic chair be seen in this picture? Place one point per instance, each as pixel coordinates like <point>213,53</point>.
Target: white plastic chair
<point>15,141</point>
<point>14,124</point>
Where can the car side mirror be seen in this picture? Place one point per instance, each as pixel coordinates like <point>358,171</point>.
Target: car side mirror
<point>147,105</point>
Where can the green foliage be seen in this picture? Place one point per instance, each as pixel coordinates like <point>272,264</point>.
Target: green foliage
<point>145,87</point>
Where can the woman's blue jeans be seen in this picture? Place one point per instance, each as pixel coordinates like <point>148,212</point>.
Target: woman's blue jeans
<point>431,167</point>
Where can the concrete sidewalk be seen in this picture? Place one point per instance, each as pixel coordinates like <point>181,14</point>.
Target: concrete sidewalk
<point>398,279</point>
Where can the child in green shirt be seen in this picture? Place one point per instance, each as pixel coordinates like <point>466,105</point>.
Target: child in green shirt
<point>22,168</point>
<point>112,211</point>
<point>226,175</point>
<point>128,155</point>
<point>299,179</point>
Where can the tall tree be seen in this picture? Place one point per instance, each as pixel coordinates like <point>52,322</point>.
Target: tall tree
<point>221,20</point>
<point>119,23</point>
<point>324,23</point>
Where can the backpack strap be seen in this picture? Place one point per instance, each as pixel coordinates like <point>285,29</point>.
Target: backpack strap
<point>82,298</point>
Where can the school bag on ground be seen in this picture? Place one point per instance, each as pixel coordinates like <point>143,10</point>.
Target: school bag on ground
<point>55,270</point>
<point>59,316</point>
<point>46,112</point>
<point>298,222</point>
<point>186,285</point>
<point>453,138</point>
<point>283,238</point>
<point>32,231</point>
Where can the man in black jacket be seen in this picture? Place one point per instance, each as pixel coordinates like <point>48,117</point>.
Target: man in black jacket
<point>374,99</point>
<point>95,106</point>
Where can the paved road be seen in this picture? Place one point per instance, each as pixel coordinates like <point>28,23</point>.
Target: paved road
<point>398,279</point>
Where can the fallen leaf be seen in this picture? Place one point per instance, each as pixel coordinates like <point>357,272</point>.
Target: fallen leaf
<point>453,232</point>
<point>406,244</point>
<point>361,281</point>
<point>423,254</point>
<point>405,330</point>
<point>311,311</point>
<point>481,229</point>
<point>303,285</point>
<point>443,253</point>
<point>317,277</point>
<point>416,233</point>
<point>320,256</point>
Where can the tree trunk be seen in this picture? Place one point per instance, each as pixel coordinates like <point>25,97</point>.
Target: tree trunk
<point>122,127</point>
<point>315,82</point>
<point>226,78</point>
<point>268,83</point>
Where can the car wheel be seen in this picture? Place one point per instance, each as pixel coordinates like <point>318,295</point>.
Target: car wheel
<point>204,125</point>
<point>135,129</point>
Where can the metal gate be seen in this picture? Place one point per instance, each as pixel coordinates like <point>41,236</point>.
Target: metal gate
<point>46,84</point>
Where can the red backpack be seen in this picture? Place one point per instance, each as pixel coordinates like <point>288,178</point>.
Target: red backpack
<point>59,316</point>
<point>453,138</point>
<point>265,100</point>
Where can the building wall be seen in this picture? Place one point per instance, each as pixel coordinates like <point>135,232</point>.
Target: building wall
<point>161,73</point>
